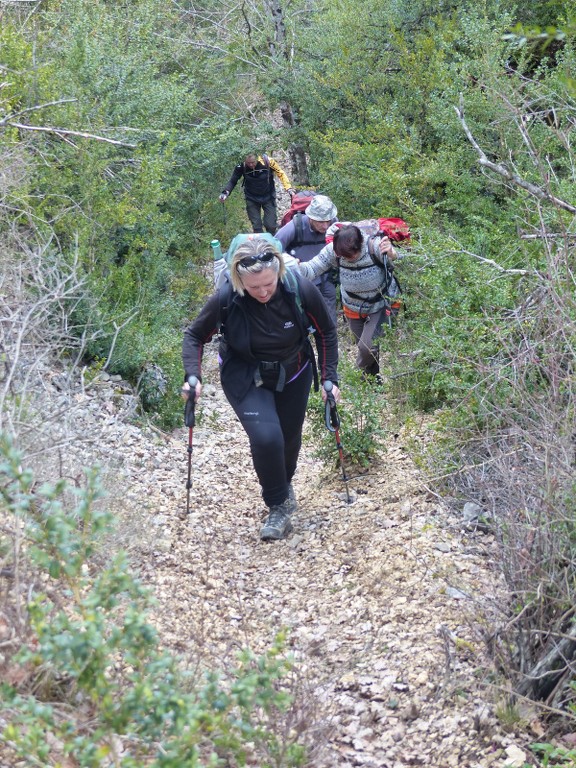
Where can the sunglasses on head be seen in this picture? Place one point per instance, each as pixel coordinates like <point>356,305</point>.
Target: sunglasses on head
<point>265,258</point>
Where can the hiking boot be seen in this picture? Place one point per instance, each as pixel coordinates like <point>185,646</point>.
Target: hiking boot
<point>278,524</point>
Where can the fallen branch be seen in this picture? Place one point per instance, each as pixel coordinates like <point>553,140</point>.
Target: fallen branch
<point>5,120</point>
<point>547,235</point>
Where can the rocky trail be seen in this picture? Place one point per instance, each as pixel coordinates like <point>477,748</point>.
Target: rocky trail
<point>380,599</point>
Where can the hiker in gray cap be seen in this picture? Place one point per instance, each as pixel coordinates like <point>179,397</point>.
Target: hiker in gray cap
<point>304,237</point>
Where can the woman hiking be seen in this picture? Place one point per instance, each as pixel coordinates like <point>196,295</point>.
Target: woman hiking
<point>266,364</point>
<point>367,287</point>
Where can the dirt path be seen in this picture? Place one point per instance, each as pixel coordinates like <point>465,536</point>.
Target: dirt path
<point>376,596</point>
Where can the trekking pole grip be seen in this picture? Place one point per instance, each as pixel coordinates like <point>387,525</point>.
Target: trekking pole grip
<point>189,415</point>
<point>331,415</point>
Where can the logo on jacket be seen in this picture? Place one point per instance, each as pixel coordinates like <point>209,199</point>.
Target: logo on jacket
<point>288,324</point>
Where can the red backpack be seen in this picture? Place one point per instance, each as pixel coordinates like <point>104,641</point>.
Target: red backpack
<point>300,201</point>
<point>396,229</point>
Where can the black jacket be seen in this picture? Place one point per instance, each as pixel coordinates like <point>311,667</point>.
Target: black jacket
<point>258,182</point>
<point>253,333</point>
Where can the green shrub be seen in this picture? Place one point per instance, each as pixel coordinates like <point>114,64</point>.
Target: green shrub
<point>91,653</point>
<point>362,419</point>
<point>552,756</point>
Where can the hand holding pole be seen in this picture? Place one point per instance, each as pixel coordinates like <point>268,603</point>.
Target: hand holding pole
<point>190,408</point>
<point>331,414</point>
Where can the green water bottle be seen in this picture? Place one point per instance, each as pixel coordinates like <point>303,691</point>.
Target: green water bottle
<point>216,249</point>
<point>219,262</point>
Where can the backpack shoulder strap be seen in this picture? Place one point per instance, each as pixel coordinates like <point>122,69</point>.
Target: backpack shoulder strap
<point>372,249</point>
<point>298,231</point>
<point>225,295</point>
<point>386,266</point>
<point>293,279</point>
<point>294,285</point>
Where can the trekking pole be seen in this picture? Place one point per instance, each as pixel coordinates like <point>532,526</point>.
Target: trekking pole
<point>333,425</point>
<point>224,211</point>
<point>190,420</point>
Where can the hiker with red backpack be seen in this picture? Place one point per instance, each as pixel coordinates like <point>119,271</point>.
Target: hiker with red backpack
<point>368,287</point>
<point>257,173</point>
<point>303,236</point>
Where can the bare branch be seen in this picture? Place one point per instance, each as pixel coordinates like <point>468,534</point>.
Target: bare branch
<point>117,329</point>
<point>220,49</point>
<point>546,235</point>
<point>499,267</point>
<point>507,174</point>
<point>65,132</point>
<point>12,115</point>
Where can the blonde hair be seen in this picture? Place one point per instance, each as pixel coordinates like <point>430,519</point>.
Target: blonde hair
<point>253,248</point>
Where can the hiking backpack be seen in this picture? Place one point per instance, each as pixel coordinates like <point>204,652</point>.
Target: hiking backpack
<point>396,229</point>
<point>300,201</point>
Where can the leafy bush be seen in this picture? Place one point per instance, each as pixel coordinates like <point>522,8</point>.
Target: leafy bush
<point>509,447</point>
<point>362,419</point>
<point>552,756</point>
<point>89,679</point>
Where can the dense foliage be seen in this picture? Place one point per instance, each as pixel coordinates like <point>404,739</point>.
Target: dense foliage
<point>171,98</point>
<point>119,123</point>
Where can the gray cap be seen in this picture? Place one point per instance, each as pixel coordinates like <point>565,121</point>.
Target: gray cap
<point>321,209</point>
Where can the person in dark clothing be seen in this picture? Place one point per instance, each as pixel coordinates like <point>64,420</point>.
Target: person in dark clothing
<point>266,364</point>
<point>257,173</point>
<point>304,236</point>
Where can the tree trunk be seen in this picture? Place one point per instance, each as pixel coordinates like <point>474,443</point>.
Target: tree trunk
<point>296,152</point>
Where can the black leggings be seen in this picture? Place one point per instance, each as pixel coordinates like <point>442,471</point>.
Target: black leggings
<point>273,422</point>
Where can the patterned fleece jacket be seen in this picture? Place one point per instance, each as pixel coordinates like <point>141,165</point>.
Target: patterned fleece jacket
<point>363,279</point>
